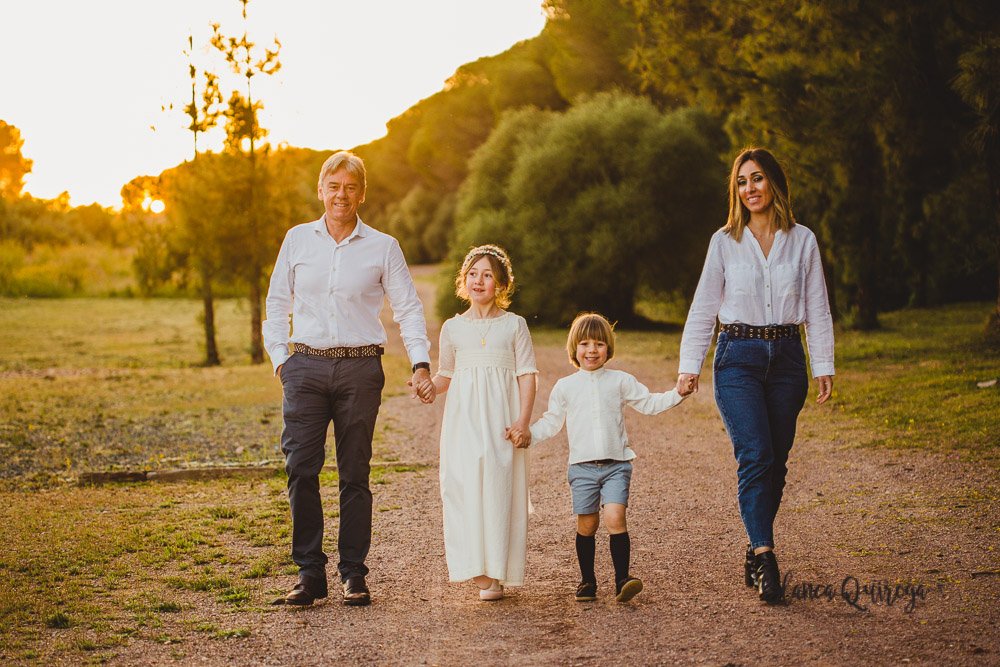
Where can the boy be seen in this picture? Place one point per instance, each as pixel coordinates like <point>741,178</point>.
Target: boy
<point>593,400</point>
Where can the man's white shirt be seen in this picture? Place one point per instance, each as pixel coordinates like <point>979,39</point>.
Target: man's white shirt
<point>327,294</point>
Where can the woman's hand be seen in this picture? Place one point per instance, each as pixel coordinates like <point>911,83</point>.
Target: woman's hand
<point>825,388</point>
<point>687,383</point>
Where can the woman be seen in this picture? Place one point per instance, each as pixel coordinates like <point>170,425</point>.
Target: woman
<point>762,285</point>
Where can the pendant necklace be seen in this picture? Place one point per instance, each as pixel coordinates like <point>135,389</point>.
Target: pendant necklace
<point>482,334</point>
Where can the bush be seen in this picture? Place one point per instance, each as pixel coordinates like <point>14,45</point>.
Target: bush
<point>593,204</point>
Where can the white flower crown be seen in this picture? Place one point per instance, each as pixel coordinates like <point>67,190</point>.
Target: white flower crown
<point>489,249</point>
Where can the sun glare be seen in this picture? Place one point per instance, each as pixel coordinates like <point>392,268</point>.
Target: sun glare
<point>157,206</point>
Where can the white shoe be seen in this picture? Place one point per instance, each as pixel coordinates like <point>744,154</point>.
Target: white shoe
<point>494,592</point>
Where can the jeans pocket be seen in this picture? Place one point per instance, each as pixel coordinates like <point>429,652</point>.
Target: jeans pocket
<point>721,350</point>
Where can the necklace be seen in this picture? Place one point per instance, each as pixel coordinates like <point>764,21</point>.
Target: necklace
<point>482,334</point>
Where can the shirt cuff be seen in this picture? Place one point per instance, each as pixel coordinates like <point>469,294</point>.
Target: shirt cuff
<point>688,366</point>
<point>820,370</point>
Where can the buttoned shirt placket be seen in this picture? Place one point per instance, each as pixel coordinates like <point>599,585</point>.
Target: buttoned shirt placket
<point>595,405</point>
<point>332,281</point>
<point>765,266</point>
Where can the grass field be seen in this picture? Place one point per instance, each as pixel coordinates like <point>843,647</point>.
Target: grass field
<point>103,384</point>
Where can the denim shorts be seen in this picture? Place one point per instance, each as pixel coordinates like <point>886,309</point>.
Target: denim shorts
<point>594,484</point>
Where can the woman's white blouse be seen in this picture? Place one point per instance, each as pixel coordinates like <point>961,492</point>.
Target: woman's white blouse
<point>740,286</point>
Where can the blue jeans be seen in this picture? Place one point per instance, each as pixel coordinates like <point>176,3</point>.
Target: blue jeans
<point>760,387</point>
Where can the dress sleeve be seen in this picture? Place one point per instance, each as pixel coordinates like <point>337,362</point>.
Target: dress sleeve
<point>705,305</point>
<point>446,352</point>
<point>638,396</point>
<point>524,352</point>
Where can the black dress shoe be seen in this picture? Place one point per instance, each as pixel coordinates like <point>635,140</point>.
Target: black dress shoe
<point>356,593</point>
<point>767,577</point>
<point>748,568</point>
<point>308,590</point>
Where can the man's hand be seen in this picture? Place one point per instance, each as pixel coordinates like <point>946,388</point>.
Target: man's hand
<point>687,383</point>
<point>421,386</point>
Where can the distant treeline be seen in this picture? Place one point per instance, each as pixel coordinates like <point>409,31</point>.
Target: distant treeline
<point>599,151</point>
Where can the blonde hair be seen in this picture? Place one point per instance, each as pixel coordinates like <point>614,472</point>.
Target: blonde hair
<point>503,274</point>
<point>739,215</point>
<point>590,326</point>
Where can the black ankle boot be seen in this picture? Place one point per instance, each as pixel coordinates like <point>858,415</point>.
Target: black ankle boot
<point>748,568</point>
<point>767,577</point>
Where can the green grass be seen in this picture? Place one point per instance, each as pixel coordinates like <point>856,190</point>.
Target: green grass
<point>914,381</point>
<point>98,384</point>
<point>102,565</point>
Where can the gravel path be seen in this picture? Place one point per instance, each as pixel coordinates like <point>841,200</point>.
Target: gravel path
<point>905,530</point>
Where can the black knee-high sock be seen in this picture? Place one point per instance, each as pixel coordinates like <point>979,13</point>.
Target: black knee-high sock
<point>621,553</point>
<point>585,550</point>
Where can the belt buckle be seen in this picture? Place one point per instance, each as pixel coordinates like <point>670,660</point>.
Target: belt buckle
<point>770,333</point>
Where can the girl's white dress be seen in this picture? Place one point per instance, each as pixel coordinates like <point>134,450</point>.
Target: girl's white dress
<point>484,478</point>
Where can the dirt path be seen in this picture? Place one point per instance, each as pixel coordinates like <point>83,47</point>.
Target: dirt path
<point>866,517</point>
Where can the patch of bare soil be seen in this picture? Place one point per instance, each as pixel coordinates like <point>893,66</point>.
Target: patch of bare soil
<point>889,557</point>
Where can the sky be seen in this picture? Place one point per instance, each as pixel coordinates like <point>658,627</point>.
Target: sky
<point>86,82</point>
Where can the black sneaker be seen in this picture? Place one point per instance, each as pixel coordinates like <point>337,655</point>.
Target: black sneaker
<point>586,591</point>
<point>627,589</point>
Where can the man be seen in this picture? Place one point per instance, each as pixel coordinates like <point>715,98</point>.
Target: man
<point>330,277</point>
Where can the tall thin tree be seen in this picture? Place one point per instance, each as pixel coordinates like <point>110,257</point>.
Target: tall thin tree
<point>245,60</point>
<point>204,116</point>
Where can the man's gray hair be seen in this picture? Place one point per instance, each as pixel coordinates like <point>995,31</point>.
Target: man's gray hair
<point>354,165</point>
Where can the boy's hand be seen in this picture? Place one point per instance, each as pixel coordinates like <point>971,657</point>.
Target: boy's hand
<point>520,439</point>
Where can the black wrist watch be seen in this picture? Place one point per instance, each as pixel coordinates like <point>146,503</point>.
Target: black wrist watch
<point>422,364</point>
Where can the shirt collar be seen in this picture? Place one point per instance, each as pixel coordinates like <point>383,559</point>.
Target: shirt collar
<point>595,374</point>
<point>360,229</point>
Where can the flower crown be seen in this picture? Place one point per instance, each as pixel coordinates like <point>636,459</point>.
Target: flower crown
<point>489,249</point>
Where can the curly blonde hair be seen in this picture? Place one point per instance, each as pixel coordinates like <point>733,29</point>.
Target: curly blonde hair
<point>503,274</point>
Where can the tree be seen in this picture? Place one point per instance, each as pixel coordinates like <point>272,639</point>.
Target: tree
<point>204,116</point>
<point>593,203</point>
<point>13,165</point>
<point>247,62</point>
<point>978,82</point>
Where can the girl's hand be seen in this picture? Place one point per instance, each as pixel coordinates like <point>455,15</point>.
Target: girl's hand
<point>687,383</point>
<point>825,388</point>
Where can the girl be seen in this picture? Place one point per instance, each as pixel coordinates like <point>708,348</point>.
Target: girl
<point>763,278</point>
<point>487,360</point>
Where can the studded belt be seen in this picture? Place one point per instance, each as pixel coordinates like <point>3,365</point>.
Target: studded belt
<point>761,333</point>
<point>341,352</point>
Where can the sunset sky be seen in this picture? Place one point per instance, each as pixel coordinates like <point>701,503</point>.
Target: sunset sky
<point>85,82</point>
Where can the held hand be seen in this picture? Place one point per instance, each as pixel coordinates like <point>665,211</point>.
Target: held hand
<point>513,434</point>
<point>277,371</point>
<point>825,388</point>
<point>687,384</point>
<point>422,387</point>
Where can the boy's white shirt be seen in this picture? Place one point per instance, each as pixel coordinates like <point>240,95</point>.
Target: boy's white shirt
<point>593,402</point>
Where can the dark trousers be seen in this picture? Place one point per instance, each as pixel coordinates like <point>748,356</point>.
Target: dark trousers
<point>348,392</point>
<point>760,387</point>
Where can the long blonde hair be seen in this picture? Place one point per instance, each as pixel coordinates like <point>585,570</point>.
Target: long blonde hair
<point>739,215</point>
